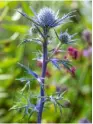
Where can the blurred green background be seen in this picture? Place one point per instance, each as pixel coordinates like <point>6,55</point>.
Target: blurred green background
<point>13,29</point>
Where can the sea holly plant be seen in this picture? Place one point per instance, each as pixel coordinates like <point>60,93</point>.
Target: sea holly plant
<point>43,22</point>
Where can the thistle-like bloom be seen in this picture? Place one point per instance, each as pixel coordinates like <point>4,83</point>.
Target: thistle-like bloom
<point>66,38</point>
<point>47,18</point>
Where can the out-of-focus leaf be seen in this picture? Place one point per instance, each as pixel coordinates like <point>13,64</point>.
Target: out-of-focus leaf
<point>27,9</point>
<point>3,95</point>
<point>14,36</point>
<point>8,62</point>
<point>3,4</point>
<point>16,16</point>
<point>10,39</point>
<point>5,76</point>
<point>16,28</point>
<point>2,111</point>
<point>3,14</point>
<point>12,4</point>
<point>65,79</point>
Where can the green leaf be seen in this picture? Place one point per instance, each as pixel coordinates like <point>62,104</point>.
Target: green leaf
<point>8,62</point>
<point>3,4</point>
<point>16,28</point>
<point>26,8</point>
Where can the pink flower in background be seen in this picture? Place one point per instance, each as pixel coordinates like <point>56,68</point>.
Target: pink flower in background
<point>39,63</point>
<point>73,70</point>
<point>87,36</point>
<point>73,52</point>
<point>87,52</point>
<point>48,74</point>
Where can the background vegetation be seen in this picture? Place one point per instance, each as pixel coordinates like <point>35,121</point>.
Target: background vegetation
<point>13,29</point>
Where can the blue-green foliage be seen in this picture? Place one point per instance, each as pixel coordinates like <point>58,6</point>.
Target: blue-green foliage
<point>15,82</point>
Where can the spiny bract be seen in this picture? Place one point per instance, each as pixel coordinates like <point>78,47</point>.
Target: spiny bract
<point>66,38</point>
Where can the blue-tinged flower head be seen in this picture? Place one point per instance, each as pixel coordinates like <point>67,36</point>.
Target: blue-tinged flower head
<point>46,17</point>
<point>66,38</point>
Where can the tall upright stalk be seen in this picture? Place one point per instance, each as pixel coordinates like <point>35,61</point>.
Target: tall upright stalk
<point>43,22</point>
<point>44,66</point>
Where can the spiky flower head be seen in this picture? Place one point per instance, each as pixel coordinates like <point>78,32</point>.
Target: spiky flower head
<point>66,38</point>
<point>46,17</point>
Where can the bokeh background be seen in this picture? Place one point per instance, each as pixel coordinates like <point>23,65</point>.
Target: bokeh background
<point>13,29</point>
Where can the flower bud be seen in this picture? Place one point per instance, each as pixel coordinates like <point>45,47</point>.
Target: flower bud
<point>33,30</point>
<point>64,37</point>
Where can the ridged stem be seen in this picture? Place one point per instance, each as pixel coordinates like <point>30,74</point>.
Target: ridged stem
<point>44,66</point>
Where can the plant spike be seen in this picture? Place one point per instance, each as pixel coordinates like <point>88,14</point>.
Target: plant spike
<point>42,22</point>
